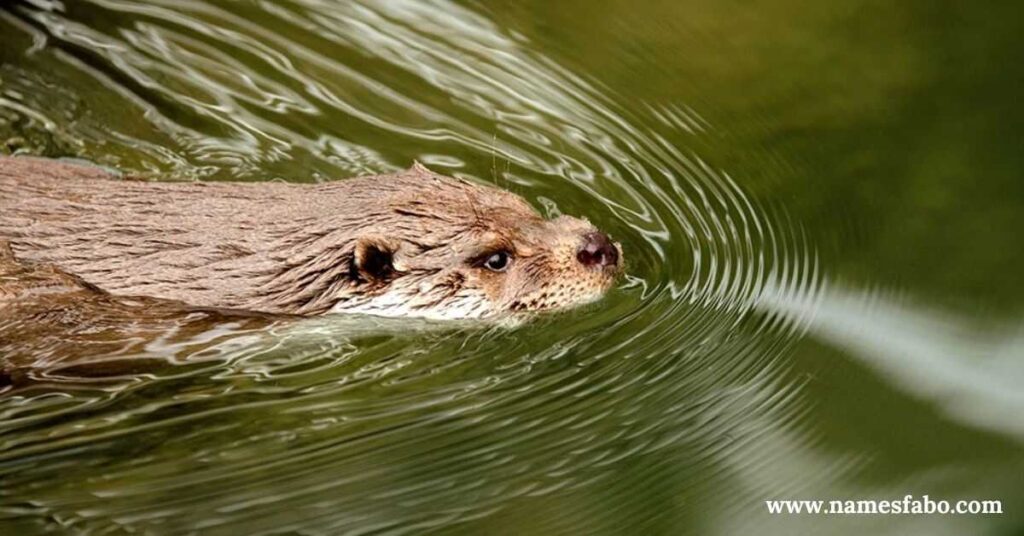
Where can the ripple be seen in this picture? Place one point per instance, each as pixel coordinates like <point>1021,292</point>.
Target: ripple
<point>359,425</point>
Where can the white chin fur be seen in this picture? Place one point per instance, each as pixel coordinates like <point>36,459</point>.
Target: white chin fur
<point>400,306</point>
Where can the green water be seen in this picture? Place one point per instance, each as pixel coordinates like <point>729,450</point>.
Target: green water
<point>820,204</point>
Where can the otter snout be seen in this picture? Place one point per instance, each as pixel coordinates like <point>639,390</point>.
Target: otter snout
<point>598,251</point>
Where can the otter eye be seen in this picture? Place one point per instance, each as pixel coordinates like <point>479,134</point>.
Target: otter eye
<point>497,262</point>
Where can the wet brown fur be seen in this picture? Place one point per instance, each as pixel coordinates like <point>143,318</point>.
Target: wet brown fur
<point>295,249</point>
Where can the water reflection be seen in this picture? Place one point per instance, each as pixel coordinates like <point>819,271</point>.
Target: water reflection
<point>970,368</point>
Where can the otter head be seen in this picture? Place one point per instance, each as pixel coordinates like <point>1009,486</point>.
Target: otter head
<point>446,248</point>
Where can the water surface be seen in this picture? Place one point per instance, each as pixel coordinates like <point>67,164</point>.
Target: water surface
<point>820,205</point>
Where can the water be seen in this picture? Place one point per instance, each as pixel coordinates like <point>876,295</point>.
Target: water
<point>820,206</point>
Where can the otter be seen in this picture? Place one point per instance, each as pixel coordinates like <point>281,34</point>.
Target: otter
<point>413,243</point>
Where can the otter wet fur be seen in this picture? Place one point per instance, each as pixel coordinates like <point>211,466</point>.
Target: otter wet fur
<point>413,243</point>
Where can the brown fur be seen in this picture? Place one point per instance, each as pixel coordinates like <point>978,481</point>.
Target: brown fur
<point>298,249</point>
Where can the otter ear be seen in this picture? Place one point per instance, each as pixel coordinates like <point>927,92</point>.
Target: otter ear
<point>373,260</point>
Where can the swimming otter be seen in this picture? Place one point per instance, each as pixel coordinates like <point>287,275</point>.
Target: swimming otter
<point>413,243</point>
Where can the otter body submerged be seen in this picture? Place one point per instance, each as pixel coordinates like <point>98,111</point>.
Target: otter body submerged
<point>54,322</point>
<point>413,243</point>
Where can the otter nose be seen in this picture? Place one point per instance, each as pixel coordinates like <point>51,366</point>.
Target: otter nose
<point>597,251</point>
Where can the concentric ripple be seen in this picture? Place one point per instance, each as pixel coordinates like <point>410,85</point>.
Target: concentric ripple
<point>574,422</point>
